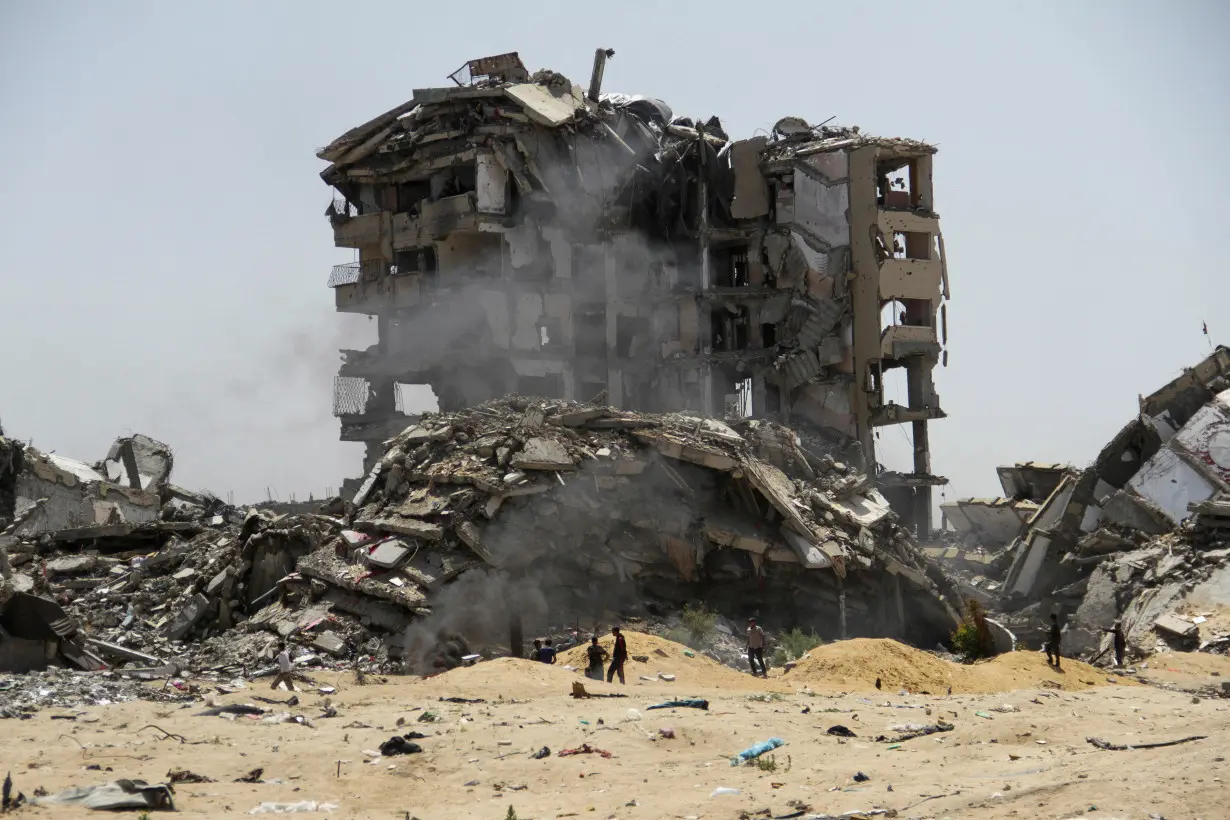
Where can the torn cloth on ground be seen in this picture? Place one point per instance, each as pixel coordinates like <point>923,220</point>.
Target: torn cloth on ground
<point>122,794</point>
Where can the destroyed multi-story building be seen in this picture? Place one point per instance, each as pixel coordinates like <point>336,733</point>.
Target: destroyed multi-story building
<point>515,233</point>
<point>1138,534</point>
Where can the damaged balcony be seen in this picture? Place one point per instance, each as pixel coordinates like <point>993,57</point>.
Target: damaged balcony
<point>372,287</point>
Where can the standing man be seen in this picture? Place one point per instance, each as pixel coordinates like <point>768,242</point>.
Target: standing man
<point>284,667</point>
<point>619,656</point>
<point>596,655</point>
<point>1120,642</point>
<point>1052,645</point>
<point>755,647</point>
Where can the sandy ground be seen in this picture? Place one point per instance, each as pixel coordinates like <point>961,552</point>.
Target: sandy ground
<point>1026,756</point>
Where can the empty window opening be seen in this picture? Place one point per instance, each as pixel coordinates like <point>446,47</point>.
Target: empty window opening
<point>730,267</point>
<point>589,325</point>
<point>415,260</point>
<point>768,334</point>
<point>632,336</point>
<point>411,194</point>
<point>550,386</point>
<point>591,389</point>
<point>414,399</point>
<point>772,399</point>
<point>728,326</point>
<point>905,312</point>
<point>549,333</point>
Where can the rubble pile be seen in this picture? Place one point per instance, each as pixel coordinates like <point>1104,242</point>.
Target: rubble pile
<point>1140,537</point>
<point>598,509</point>
<point>547,512</point>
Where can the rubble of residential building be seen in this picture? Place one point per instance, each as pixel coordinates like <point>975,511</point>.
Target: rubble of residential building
<point>518,511</point>
<point>1140,537</point>
<point>517,233</point>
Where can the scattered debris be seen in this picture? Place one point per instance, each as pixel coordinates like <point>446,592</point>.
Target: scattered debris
<point>756,751</point>
<point>1111,747</point>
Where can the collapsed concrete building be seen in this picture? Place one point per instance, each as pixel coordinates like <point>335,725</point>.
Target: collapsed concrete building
<point>54,505</point>
<point>1130,536</point>
<point>519,234</point>
<point>575,510</point>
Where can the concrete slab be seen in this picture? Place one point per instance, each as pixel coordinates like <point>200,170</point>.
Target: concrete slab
<point>543,454</point>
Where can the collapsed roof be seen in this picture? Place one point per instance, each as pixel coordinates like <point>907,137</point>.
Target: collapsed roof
<point>606,508</point>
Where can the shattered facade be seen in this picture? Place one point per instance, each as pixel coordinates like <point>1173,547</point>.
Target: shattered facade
<point>519,234</point>
<point>1133,537</point>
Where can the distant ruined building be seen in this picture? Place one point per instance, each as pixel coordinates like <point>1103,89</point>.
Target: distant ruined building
<point>519,234</point>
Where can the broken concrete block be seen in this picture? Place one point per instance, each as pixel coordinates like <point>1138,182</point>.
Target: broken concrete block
<point>71,564</point>
<point>1176,626</point>
<point>406,526</point>
<point>388,554</point>
<point>183,619</point>
<point>543,454</point>
<point>331,643</point>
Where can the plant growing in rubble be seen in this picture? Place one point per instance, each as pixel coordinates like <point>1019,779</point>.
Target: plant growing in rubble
<point>972,638</point>
<point>698,621</point>
<point>795,644</point>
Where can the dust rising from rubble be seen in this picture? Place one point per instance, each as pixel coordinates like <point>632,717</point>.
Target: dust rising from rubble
<point>476,610</point>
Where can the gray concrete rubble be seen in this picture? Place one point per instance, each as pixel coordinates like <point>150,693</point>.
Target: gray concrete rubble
<point>596,509</point>
<point>515,232</point>
<point>1141,536</point>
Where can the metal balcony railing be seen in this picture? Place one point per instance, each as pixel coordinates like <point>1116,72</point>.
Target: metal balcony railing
<point>350,395</point>
<point>354,272</point>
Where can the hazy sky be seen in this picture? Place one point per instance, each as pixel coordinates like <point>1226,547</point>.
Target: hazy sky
<point>163,248</point>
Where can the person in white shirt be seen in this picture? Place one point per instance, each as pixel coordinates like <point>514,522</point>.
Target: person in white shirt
<point>284,667</point>
<point>755,647</point>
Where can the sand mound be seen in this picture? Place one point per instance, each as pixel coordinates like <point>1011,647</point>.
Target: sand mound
<point>509,677</point>
<point>1028,670</point>
<point>854,665</point>
<point>668,657</point>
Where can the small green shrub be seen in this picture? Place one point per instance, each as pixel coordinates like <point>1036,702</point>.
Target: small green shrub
<point>779,657</point>
<point>511,815</point>
<point>767,763</point>
<point>699,621</point>
<point>972,638</point>
<point>796,643</point>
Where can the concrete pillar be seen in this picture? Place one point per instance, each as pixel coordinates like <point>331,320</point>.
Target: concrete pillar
<point>865,293</point>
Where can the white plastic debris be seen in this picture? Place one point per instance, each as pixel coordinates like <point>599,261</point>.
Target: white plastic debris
<point>720,790</point>
<point>302,807</point>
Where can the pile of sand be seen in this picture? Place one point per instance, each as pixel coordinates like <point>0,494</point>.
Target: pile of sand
<point>690,668</point>
<point>854,665</point>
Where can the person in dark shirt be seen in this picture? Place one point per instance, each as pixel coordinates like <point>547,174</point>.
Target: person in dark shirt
<point>618,657</point>
<point>1120,642</point>
<point>596,655</point>
<point>1052,645</point>
<point>547,653</point>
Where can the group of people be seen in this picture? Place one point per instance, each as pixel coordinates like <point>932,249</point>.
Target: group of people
<point>1055,639</point>
<point>595,655</point>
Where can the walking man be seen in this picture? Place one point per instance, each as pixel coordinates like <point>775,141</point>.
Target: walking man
<point>755,647</point>
<point>619,656</point>
<point>1052,645</point>
<point>284,667</point>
